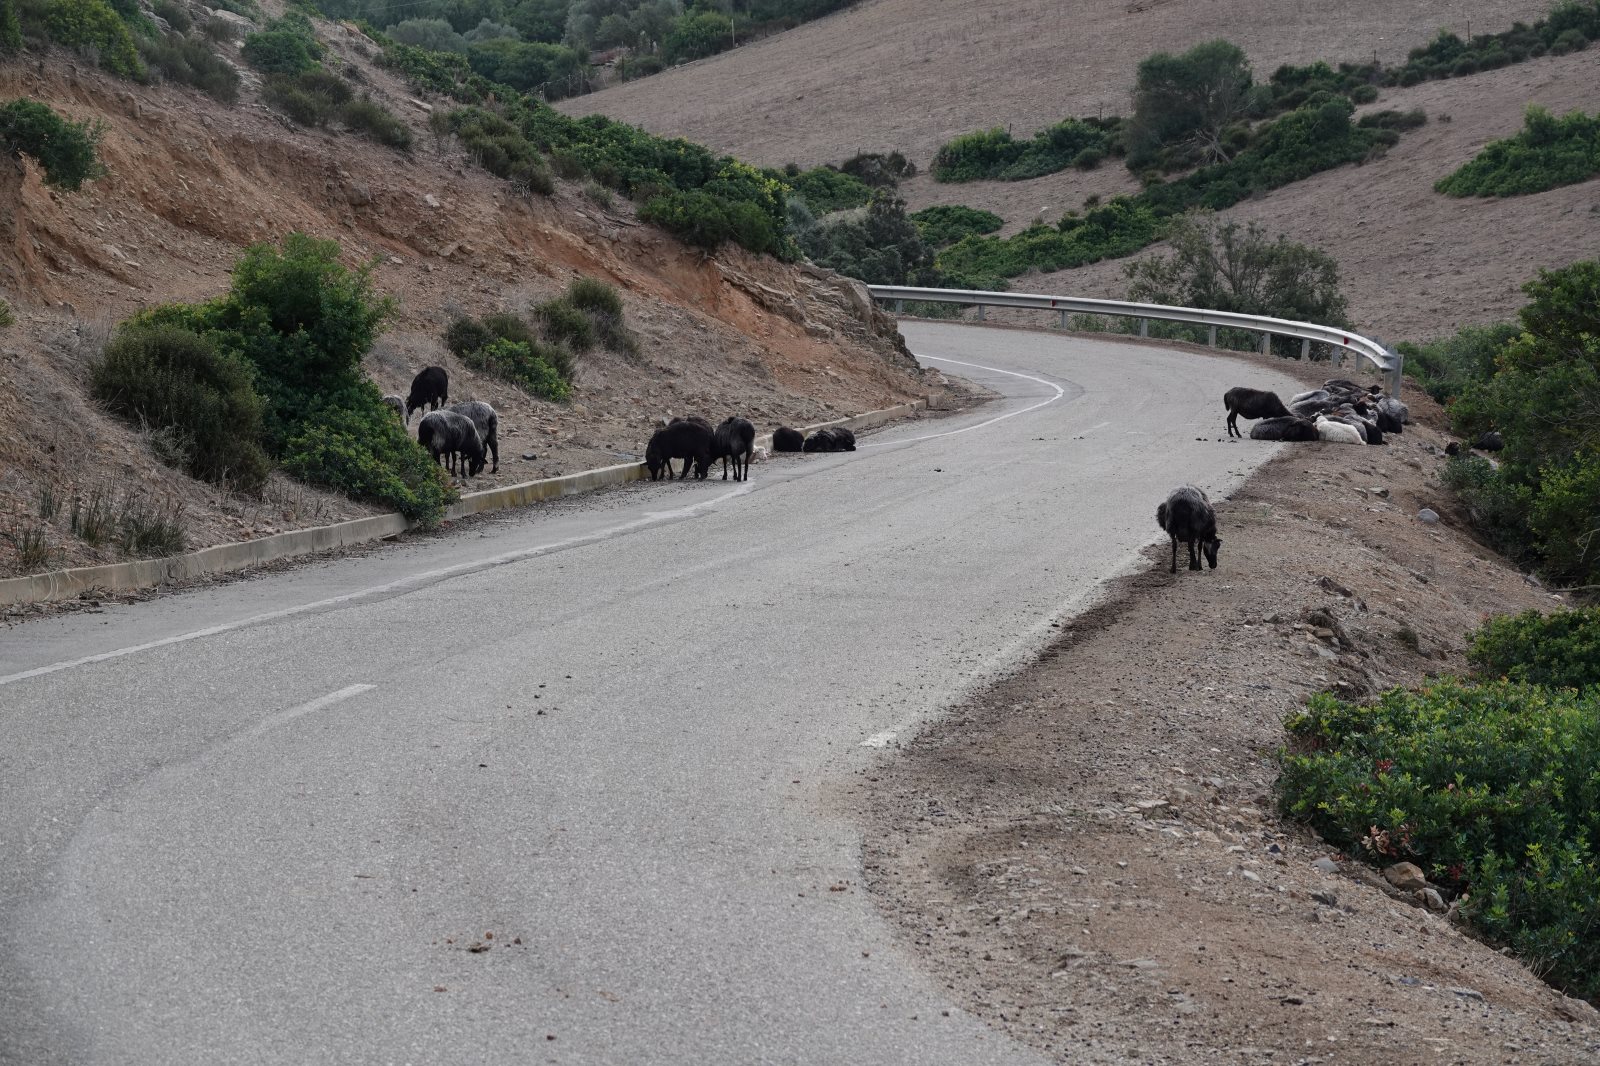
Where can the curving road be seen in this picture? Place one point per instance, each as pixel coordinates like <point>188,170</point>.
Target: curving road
<point>271,821</point>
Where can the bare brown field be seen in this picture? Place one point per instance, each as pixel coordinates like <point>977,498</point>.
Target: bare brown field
<point>903,75</point>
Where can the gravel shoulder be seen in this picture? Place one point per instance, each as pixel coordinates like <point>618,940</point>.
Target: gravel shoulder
<point>1087,853</point>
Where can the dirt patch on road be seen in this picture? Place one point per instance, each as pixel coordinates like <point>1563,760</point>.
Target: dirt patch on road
<point>1087,853</point>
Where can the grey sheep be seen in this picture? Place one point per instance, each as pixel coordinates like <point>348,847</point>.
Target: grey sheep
<point>487,423</point>
<point>1186,515</point>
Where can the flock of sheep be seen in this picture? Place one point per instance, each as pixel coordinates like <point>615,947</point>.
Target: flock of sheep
<point>1340,412</point>
<point>466,436</point>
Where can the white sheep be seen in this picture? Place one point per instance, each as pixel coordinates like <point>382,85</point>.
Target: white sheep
<point>1338,432</point>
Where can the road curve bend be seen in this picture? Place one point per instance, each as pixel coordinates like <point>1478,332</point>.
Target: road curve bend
<point>564,786</point>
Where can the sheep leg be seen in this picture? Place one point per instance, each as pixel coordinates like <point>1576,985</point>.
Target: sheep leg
<point>1174,568</point>
<point>1194,555</point>
<point>725,469</point>
<point>1233,423</point>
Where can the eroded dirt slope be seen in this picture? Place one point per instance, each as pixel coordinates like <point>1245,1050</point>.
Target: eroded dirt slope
<point>1087,854</point>
<point>191,183</point>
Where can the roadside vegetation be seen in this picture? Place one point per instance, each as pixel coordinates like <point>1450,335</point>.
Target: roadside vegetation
<point>1490,784</point>
<point>539,352</point>
<point>1536,383</point>
<point>297,83</point>
<point>272,369</point>
<point>948,223</point>
<point>1548,152</point>
<point>64,150</point>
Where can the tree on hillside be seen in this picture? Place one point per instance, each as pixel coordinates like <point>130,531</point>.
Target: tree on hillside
<point>1223,266</point>
<point>1187,102</point>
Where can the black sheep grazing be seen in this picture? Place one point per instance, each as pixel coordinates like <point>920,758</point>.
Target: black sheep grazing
<point>785,439</point>
<point>431,386</point>
<point>1186,515</point>
<point>488,423</point>
<point>687,440</point>
<point>1289,428</point>
<point>1251,403</point>
<point>735,439</point>
<point>1491,441</point>
<point>452,435</point>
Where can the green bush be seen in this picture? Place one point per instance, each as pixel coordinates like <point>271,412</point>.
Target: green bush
<point>1568,27</point>
<point>287,46</point>
<point>826,190</point>
<point>7,318</point>
<point>356,446</point>
<point>377,123</point>
<point>881,247</point>
<point>93,24</point>
<point>1393,120</point>
<point>594,296</point>
<point>1493,789</point>
<point>1560,649</point>
<point>64,150</point>
<point>190,62</point>
<point>562,323</point>
<point>948,223</point>
<point>1541,501</point>
<point>164,377</point>
<point>994,155</point>
<point>527,365</point>
<point>466,334</point>
<point>10,28</point>
<point>173,14</point>
<point>312,97</point>
<point>1547,153</point>
<point>508,327</point>
<point>1446,367</point>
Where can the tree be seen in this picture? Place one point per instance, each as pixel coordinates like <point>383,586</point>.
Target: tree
<point>10,28</point>
<point>435,35</point>
<point>1186,103</point>
<point>65,150</point>
<point>1222,266</point>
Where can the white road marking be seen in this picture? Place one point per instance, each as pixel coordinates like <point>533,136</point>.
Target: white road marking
<point>427,577</point>
<point>275,720</point>
<point>1060,392</point>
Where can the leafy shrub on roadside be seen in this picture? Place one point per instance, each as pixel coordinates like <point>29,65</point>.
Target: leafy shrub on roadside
<point>826,190</point>
<point>1560,649</point>
<point>190,62</point>
<point>994,155</point>
<point>1542,502</point>
<point>64,150</point>
<point>287,46</point>
<point>164,376</point>
<point>93,24</point>
<point>1547,153</point>
<point>1493,789</point>
<point>1445,367</point>
<point>375,122</point>
<point>524,363</point>
<point>313,97</point>
<point>947,223</point>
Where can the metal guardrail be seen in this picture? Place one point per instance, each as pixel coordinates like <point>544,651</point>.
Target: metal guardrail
<point>1389,362</point>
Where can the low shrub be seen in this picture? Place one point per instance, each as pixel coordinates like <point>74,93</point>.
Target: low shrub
<point>508,327</point>
<point>372,120</point>
<point>7,317</point>
<point>878,169</point>
<point>64,150</point>
<point>1547,153</point>
<point>313,97</point>
<point>173,14</point>
<point>150,529</point>
<point>564,324</point>
<point>1445,368</point>
<point>948,223</point>
<point>190,62</point>
<point>1560,649</point>
<point>287,46</point>
<point>1493,789</point>
<point>708,221</point>
<point>164,376</point>
<point>10,28</point>
<point>994,155</point>
<point>356,446</point>
<point>527,365</point>
<point>1393,120</point>
<point>92,24</point>
<point>826,190</point>
<point>594,296</point>
<point>466,334</point>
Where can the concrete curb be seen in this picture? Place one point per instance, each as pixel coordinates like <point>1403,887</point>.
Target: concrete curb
<point>223,558</point>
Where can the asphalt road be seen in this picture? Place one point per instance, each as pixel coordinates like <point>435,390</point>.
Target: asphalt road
<point>277,821</point>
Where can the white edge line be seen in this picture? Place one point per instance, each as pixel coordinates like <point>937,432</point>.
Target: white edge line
<point>1060,392</point>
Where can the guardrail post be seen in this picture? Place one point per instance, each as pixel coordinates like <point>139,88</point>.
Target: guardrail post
<point>981,316</point>
<point>1266,344</point>
<point>1305,349</point>
<point>1063,314</point>
<point>899,307</point>
<point>1395,374</point>
<point>1144,327</point>
<point>1211,336</point>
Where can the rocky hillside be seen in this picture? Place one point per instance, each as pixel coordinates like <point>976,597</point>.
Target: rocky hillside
<point>192,182</point>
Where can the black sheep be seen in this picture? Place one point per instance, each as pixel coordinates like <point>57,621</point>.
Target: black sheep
<point>1186,515</point>
<point>843,439</point>
<point>785,439</point>
<point>735,439</point>
<point>830,439</point>
<point>483,416</point>
<point>1251,403</point>
<point>453,435</point>
<point>1491,441</point>
<point>431,386</point>
<point>689,440</point>
<point>1288,428</point>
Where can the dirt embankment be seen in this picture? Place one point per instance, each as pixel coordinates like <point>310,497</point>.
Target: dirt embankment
<point>192,183</point>
<point>1088,856</point>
